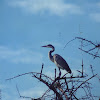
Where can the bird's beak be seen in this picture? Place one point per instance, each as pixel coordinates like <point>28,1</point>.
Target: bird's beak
<point>43,46</point>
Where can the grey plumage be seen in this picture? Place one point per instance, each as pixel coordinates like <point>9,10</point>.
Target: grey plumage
<point>57,59</point>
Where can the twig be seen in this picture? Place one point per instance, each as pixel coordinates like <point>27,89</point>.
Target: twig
<point>41,70</point>
<point>85,40</point>
<point>68,43</point>
<point>45,93</point>
<point>20,75</point>
<point>63,93</point>
<point>55,73</point>
<point>83,83</point>
<point>18,91</point>
<point>90,53</point>
<point>22,96</point>
<point>82,67</point>
<point>50,86</point>
<point>92,69</point>
<point>29,73</point>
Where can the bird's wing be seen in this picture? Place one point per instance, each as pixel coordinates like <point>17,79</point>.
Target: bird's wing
<point>60,62</point>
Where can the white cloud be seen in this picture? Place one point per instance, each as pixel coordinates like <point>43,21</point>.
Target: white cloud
<point>95,16</point>
<point>20,55</point>
<point>57,7</point>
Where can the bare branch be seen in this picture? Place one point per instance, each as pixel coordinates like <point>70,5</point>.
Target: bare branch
<point>64,87</point>
<point>50,86</point>
<point>41,70</point>
<point>90,53</point>
<point>84,82</point>
<point>85,40</point>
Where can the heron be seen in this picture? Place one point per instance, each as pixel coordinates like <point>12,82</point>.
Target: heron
<point>57,59</point>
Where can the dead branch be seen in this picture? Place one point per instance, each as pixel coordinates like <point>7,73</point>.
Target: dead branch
<point>41,70</point>
<point>95,46</point>
<point>50,87</point>
<point>83,83</point>
<point>94,55</point>
<point>66,87</point>
<point>85,40</point>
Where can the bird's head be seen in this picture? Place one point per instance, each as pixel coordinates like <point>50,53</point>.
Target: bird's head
<point>49,46</point>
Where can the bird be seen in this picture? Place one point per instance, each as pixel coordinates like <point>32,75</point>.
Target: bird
<point>57,59</point>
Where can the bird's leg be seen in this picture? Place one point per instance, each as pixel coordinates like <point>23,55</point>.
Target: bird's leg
<point>59,75</point>
<point>59,72</point>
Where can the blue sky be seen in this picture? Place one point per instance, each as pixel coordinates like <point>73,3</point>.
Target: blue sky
<point>26,25</point>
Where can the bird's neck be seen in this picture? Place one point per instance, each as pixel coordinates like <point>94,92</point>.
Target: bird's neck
<point>50,55</point>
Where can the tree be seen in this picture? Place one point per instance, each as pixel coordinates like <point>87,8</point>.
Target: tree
<point>64,87</point>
